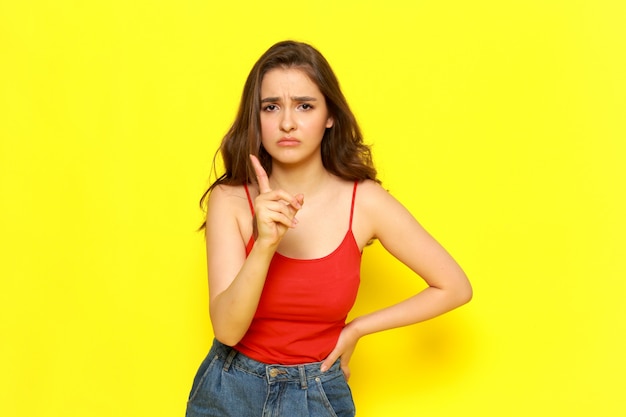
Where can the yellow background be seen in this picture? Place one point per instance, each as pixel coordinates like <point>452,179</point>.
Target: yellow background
<point>500,125</point>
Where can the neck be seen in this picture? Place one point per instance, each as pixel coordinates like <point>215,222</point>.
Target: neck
<point>306,179</point>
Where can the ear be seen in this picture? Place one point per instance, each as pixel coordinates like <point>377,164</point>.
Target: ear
<point>330,122</point>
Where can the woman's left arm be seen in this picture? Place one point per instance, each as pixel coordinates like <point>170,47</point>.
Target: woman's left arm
<point>384,218</point>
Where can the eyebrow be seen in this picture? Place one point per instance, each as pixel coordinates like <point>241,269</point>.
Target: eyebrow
<point>295,98</point>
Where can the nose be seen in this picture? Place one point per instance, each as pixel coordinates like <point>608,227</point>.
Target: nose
<point>287,123</point>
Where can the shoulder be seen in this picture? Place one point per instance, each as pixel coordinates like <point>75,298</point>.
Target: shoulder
<point>228,220</point>
<point>378,211</point>
<point>373,205</point>
<point>369,186</point>
<point>228,194</point>
<point>228,201</point>
<point>371,195</point>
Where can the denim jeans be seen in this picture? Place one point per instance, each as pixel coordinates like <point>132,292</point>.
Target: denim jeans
<point>229,383</point>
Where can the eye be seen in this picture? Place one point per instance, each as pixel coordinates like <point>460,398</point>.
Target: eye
<point>270,107</point>
<point>305,106</point>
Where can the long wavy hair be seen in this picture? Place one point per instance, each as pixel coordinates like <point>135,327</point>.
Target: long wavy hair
<point>343,152</point>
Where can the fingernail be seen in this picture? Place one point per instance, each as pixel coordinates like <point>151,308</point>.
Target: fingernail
<point>324,368</point>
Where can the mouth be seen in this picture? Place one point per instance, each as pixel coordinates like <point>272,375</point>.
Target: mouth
<point>288,141</point>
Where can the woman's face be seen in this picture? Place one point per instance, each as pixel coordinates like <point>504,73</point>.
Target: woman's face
<point>293,117</point>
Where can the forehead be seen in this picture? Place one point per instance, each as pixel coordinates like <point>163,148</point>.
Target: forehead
<point>292,81</point>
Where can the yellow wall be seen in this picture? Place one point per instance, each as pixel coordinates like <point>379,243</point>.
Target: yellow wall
<point>500,124</point>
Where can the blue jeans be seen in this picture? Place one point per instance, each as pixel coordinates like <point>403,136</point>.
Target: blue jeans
<point>229,383</point>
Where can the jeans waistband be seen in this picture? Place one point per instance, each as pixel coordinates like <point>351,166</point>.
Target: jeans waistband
<point>302,373</point>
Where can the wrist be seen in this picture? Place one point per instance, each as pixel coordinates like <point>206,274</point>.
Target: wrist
<point>265,245</point>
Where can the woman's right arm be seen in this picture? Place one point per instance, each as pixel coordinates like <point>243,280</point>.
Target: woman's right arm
<point>236,281</point>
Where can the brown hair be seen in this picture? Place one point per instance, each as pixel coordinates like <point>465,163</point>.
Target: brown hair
<point>343,152</point>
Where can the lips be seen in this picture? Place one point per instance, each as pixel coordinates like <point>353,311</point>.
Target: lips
<point>288,141</point>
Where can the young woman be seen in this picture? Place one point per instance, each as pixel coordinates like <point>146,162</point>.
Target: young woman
<point>285,227</point>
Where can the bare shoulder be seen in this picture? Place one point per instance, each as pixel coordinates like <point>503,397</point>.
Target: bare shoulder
<point>373,196</point>
<point>371,201</point>
<point>227,194</point>
<point>370,186</point>
<point>232,198</point>
<point>228,204</point>
<point>377,211</point>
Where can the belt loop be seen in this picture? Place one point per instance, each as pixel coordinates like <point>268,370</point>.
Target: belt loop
<point>229,359</point>
<point>303,382</point>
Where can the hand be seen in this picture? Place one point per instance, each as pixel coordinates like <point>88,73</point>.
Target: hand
<point>275,209</point>
<point>343,349</point>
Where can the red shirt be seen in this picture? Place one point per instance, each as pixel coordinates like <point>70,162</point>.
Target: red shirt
<point>304,304</point>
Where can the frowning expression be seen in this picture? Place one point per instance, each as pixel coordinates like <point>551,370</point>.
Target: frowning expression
<point>293,117</point>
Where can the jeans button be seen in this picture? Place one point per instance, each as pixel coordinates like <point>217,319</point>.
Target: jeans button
<point>273,372</point>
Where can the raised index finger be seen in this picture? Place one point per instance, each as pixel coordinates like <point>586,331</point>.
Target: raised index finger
<point>261,175</point>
